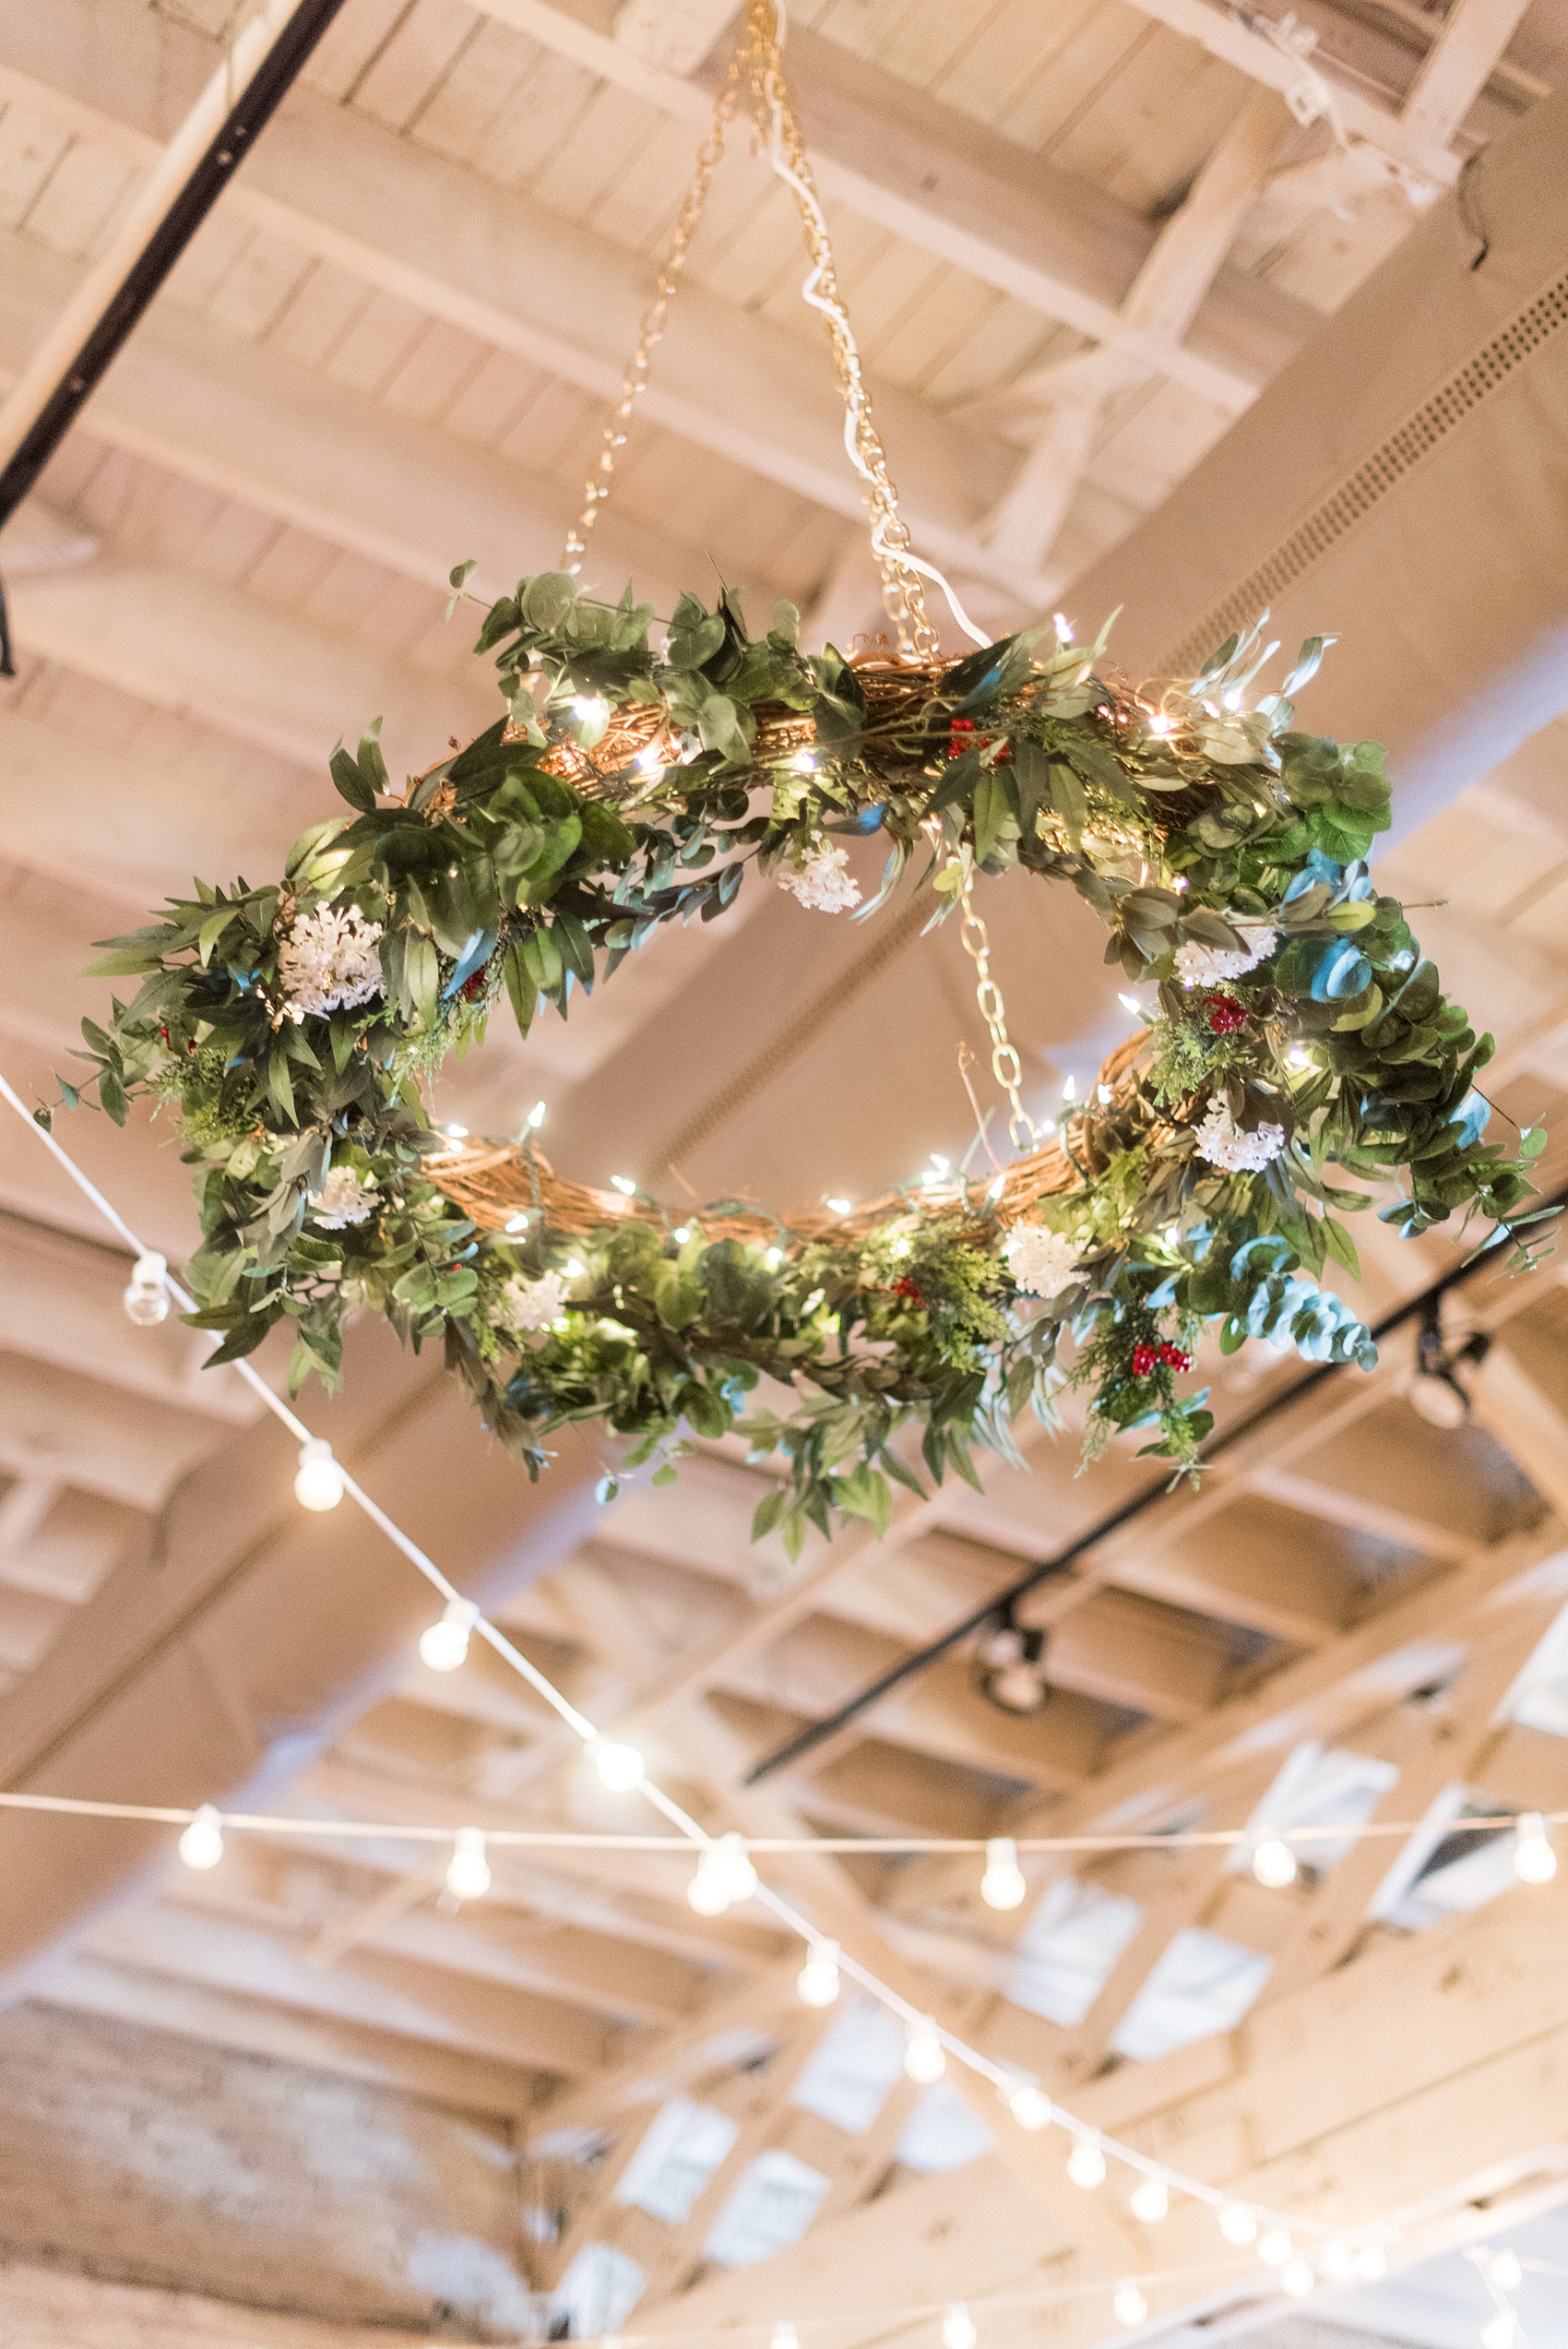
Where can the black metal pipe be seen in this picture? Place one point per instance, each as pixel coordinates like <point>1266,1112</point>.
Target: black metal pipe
<point>817,1732</point>
<point>253,108</point>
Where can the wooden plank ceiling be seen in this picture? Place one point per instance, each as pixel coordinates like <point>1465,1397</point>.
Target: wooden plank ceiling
<point>1076,237</point>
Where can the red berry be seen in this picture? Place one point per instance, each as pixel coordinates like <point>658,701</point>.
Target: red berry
<point>1143,1359</point>
<point>1225,1014</point>
<point>471,985</point>
<point>1173,1357</point>
<point>911,1290</point>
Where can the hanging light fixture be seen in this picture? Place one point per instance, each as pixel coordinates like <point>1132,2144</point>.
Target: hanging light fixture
<point>1436,1392</point>
<point>1010,1665</point>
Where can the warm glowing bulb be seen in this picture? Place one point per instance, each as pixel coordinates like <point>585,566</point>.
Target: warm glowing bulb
<point>1372,2261</point>
<point>817,1981</point>
<point>1029,2106</point>
<point>575,1268</point>
<point>201,1845</point>
<point>839,1206</point>
<point>590,708</point>
<point>958,2328</point>
<point>320,1482</point>
<point>625,1185</point>
<point>1158,722</point>
<point>786,2337</point>
<point>773,1258</point>
<point>147,1295</point>
<point>1500,2331</point>
<point>535,1117</point>
<point>803,763</point>
<point>1002,1885</point>
<point>1150,2201</point>
<point>648,760</point>
<point>445,1645</point>
<point>1535,1862</point>
<point>1130,1003</point>
<point>1130,2305</point>
<point>468,1871</point>
<point>458,1133</point>
<point>1337,2260</point>
<point>1274,1864</point>
<point>1276,2248</point>
<point>925,2058</point>
<point>1085,2163</point>
<point>518,1222</point>
<point>724,1874</point>
<point>1297,2278</point>
<point>1505,2271</point>
<point>620,1767</point>
<point>1237,2223</point>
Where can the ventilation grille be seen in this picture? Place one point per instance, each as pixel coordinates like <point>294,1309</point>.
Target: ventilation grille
<point>1485,373</point>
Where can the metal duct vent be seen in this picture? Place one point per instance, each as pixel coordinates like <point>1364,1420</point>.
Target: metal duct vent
<point>1422,432</point>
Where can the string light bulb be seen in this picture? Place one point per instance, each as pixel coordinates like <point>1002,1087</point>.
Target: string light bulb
<point>1237,2223</point>
<point>1372,2262</point>
<point>1276,2248</point>
<point>1338,2260</point>
<point>1297,2278</point>
<point>1150,2201</point>
<point>839,1206</point>
<point>535,1117</point>
<point>145,1298</point>
<point>591,708</point>
<point>786,2337</point>
<point>958,2328</point>
<point>724,1876</point>
<point>1129,2304</point>
<point>1130,1003</point>
<point>468,1871</point>
<point>1085,2163</point>
<point>201,1845</point>
<point>925,2058</point>
<point>1029,2106</point>
<point>1535,1862</point>
<point>625,1185</point>
<point>1504,2270</point>
<point>1274,1864</point>
<point>1002,1886</point>
<point>319,1484</point>
<point>817,1981</point>
<point>1501,2330</point>
<point>445,1645</point>
<point>620,1767</point>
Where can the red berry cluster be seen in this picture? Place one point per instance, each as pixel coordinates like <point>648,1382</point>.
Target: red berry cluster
<point>960,730</point>
<point>1147,1357</point>
<point>472,985</point>
<point>909,1290</point>
<point>1225,1014</point>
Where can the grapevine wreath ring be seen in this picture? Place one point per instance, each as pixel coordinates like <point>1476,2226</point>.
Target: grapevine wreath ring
<point>1301,1039</point>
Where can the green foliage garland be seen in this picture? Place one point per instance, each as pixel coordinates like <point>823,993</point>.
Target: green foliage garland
<point>1301,1039</point>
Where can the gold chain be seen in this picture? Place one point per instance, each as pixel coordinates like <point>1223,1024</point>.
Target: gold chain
<point>757,66</point>
<point>1006,1066</point>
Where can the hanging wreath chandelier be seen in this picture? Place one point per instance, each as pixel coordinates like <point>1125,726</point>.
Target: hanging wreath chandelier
<point>1301,1038</point>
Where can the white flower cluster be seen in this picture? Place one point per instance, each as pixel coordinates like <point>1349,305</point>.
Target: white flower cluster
<point>533,1305</point>
<point>822,883</point>
<point>1043,1262</point>
<point>329,961</point>
<point>1224,1144</point>
<point>343,1198</point>
<point>1210,966</point>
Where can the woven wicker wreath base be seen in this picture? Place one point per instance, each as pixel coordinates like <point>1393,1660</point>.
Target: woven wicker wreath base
<point>494,1183</point>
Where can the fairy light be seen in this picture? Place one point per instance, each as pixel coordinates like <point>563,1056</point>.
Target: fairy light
<point>1297,2278</point>
<point>146,1297</point>
<point>1274,1864</point>
<point>1130,1003</point>
<point>1535,1862</point>
<point>1002,1886</point>
<point>925,2058</point>
<point>1129,2304</point>
<point>620,1767</point>
<point>958,2328</point>
<point>773,1258</point>
<point>785,2337</point>
<point>648,760</point>
<point>535,1117</point>
<point>575,1268</point>
<point>727,1859</point>
<point>468,1871</point>
<point>201,1845</point>
<point>1337,2260</point>
<point>995,1189</point>
<point>518,1222</point>
<point>456,1133</point>
<point>320,1482</point>
<point>838,1207</point>
<point>625,1185</point>
<point>1064,627</point>
<point>444,1646</point>
<point>1070,1090</point>
<point>817,1981</point>
<point>590,708</point>
<point>1150,2201</point>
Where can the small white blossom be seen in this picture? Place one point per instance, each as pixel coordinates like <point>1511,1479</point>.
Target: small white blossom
<point>822,883</point>
<point>1224,1144</point>
<point>329,961</point>
<point>1041,1262</point>
<point>343,1198</point>
<point>533,1305</point>
<point>1209,966</point>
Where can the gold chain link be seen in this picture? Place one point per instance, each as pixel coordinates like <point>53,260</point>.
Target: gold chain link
<point>757,68</point>
<point>1006,1066</point>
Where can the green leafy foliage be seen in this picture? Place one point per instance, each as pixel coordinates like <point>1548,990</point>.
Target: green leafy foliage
<point>1223,850</point>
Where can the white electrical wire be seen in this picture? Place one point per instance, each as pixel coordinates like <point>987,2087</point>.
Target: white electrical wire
<point>1005,2080</point>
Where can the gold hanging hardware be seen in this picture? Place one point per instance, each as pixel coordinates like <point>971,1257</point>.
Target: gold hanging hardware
<point>757,75</point>
<point>1006,1066</point>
